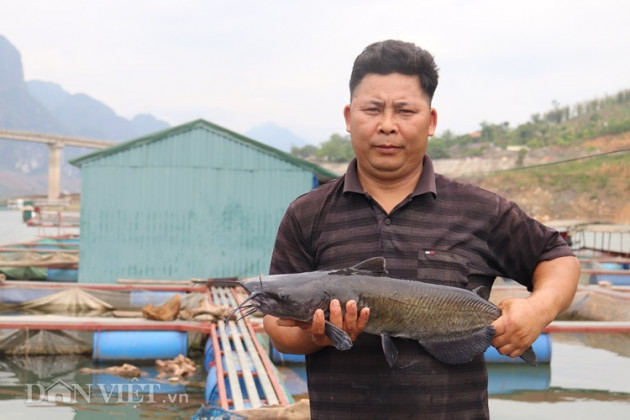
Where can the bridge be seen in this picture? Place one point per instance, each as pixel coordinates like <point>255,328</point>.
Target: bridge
<point>55,144</point>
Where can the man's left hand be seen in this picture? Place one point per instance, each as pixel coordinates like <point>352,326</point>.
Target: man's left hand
<point>521,322</point>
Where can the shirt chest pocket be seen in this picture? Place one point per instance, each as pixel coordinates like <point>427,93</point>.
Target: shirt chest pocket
<point>442,267</point>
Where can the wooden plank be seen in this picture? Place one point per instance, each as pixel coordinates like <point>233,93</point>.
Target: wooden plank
<point>230,366</point>
<point>588,327</point>
<point>256,354</point>
<point>246,367</point>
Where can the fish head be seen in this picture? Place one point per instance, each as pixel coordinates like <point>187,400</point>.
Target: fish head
<point>292,296</point>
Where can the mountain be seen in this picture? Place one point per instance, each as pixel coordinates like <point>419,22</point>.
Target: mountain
<point>45,107</point>
<point>275,136</point>
<point>87,117</point>
<point>18,109</point>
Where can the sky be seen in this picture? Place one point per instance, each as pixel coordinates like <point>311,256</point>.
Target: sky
<point>240,64</point>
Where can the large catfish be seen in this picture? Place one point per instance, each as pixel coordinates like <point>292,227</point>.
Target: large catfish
<point>452,324</point>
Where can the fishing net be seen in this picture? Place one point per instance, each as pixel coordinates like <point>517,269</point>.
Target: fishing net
<point>73,301</point>
<point>32,265</point>
<point>29,342</point>
<point>37,258</point>
<point>44,366</point>
<point>599,305</point>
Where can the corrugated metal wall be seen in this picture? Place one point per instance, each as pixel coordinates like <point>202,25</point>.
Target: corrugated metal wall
<point>197,204</point>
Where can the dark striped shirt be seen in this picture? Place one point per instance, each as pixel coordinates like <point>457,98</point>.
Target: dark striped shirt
<point>445,232</point>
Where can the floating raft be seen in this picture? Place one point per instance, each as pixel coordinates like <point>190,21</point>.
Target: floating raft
<point>241,374</point>
<point>52,259</point>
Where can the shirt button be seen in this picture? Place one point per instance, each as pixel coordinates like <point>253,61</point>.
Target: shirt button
<point>388,222</point>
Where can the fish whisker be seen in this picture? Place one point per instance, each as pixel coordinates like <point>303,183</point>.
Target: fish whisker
<point>250,310</point>
<point>244,305</point>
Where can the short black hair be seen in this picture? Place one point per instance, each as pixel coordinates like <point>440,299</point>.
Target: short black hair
<point>391,56</point>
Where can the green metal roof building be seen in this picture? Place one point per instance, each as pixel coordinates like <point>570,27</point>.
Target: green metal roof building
<point>193,201</point>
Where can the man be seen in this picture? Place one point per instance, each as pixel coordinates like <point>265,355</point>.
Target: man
<point>390,203</point>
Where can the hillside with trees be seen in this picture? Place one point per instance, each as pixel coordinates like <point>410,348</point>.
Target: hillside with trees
<point>570,162</point>
<point>559,127</point>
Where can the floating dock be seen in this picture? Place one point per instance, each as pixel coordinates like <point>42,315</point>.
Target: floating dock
<point>240,373</point>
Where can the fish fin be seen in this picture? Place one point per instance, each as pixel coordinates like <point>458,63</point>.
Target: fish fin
<point>389,349</point>
<point>482,291</point>
<point>374,266</point>
<point>462,348</point>
<point>340,339</point>
<point>529,356</point>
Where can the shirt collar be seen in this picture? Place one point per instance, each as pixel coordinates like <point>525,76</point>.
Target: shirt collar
<point>426,184</point>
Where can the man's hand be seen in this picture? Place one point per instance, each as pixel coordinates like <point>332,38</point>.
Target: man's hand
<point>522,320</point>
<point>519,325</point>
<point>353,322</point>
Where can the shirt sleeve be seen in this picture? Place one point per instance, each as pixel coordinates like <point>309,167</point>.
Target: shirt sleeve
<point>291,252</point>
<point>519,243</point>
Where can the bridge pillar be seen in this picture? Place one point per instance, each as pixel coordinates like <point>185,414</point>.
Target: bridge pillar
<point>54,170</point>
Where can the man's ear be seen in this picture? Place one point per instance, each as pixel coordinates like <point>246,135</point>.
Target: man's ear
<point>346,116</point>
<point>433,123</point>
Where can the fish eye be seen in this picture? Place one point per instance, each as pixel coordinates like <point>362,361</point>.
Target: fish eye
<point>283,295</point>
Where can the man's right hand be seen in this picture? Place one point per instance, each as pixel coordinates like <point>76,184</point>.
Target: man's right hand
<point>312,337</point>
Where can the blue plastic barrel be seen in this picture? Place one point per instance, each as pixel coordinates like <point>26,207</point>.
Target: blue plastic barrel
<point>542,348</point>
<point>139,298</point>
<point>511,377</point>
<point>139,345</point>
<point>208,355</point>
<point>212,390</point>
<point>278,357</point>
<point>620,279</point>
<point>61,275</point>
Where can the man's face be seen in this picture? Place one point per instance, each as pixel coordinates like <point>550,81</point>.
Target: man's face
<point>389,120</point>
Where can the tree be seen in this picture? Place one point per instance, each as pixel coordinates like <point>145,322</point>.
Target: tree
<point>304,152</point>
<point>337,149</point>
<point>437,148</point>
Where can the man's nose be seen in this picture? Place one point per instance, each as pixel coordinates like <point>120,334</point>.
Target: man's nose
<point>388,123</point>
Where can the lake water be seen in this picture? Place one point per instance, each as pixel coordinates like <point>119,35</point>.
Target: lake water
<point>12,229</point>
<point>589,377</point>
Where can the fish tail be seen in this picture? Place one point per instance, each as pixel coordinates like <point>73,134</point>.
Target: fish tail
<point>529,356</point>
